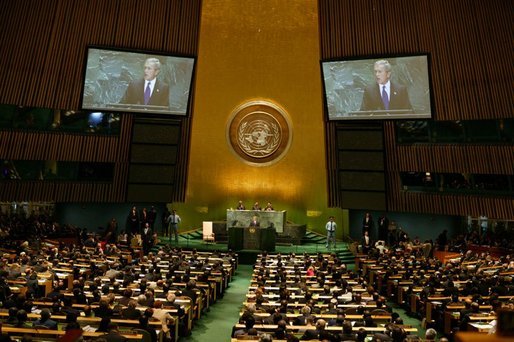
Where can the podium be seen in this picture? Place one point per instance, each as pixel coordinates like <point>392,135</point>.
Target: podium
<point>254,238</point>
<point>267,219</point>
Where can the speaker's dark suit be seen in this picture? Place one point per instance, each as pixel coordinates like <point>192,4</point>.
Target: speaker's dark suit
<point>135,94</point>
<point>147,237</point>
<point>398,98</point>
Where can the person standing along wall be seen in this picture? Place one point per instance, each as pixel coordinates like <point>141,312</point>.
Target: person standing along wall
<point>173,221</point>
<point>331,227</point>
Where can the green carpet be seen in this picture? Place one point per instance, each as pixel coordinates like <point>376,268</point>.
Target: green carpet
<point>216,325</point>
<point>408,320</point>
<point>311,246</point>
<point>312,243</point>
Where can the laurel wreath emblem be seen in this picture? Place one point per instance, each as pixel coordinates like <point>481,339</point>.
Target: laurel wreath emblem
<point>248,129</point>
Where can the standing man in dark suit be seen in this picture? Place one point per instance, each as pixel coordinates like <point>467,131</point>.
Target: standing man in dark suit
<point>385,94</point>
<point>152,216</point>
<point>164,222</point>
<point>149,91</point>
<point>132,226</point>
<point>366,242</point>
<point>383,227</point>
<point>255,222</point>
<point>367,224</point>
<point>147,237</point>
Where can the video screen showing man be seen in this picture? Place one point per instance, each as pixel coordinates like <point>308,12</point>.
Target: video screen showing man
<point>377,89</point>
<point>148,91</point>
<point>385,94</point>
<point>124,81</point>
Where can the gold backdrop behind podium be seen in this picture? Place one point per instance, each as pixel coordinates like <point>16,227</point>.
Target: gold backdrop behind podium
<point>251,50</point>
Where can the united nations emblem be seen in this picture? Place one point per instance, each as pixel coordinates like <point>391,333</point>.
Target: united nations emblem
<point>259,132</point>
<point>257,137</point>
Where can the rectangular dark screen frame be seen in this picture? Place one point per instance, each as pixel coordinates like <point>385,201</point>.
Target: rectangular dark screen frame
<point>351,92</point>
<point>113,81</point>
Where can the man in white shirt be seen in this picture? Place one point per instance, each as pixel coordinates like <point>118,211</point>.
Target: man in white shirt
<point>331,227</point>
<point>173,221</point>
<point>483,223</point>
<point>380,246</point>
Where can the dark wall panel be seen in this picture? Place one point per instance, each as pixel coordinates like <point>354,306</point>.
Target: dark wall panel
<point>151,174</point>
<point>149,193</point>
<point>153,154</point>
<point>363,200</point>
<point>448,158</point>
<point>360,164</point>
<point>360,139</point>
<point>361,160</point>
<point>60,146</point>
<point>156,134</point>
<point>43,45</point>
<point>469,43</point>
<point>369,181</point>
<point>157,144</point>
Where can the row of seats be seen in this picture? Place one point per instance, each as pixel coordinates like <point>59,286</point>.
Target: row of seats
<point>453,294</point>
<point>312,297</point>
<point>82,280</point>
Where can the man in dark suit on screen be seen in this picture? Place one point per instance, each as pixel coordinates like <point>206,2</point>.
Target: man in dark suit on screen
<point>149,91</point>
<point>384,94</point>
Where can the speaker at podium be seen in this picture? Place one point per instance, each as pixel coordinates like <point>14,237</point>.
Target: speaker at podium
<point>252,238</point>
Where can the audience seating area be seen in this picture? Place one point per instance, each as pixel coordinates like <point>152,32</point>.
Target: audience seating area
<point>94,291</point>
<point>457,292</point>
<point>313,297</point>
<point>52,290</point>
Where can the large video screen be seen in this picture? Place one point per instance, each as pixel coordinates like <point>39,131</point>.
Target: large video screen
<point>379,88</point>
<point>141,82</point>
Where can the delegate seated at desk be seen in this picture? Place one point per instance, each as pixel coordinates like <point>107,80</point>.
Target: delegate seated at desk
<point>257,206</point>
<point>240,206</point>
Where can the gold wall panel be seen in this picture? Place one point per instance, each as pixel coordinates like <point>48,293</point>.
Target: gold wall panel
<point>258,50</point>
